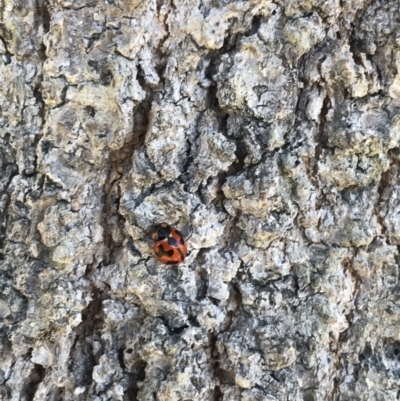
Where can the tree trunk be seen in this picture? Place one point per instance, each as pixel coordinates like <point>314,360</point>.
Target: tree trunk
<point>267,132</point>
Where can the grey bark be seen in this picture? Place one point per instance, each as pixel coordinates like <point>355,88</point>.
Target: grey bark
<point>269,130</point>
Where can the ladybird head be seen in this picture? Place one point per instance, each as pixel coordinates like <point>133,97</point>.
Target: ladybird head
<point>161,231</point>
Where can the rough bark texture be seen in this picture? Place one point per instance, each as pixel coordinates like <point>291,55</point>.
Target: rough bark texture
<point>269,130</point>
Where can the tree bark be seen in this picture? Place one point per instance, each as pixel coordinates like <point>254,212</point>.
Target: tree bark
<point>267,132</point>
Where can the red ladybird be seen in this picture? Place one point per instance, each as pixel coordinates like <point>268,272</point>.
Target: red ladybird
<point>169,247</point>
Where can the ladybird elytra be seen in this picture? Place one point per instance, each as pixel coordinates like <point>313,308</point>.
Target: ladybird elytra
<point>169,244</point>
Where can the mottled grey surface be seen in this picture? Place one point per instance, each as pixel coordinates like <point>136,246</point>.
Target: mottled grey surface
<point>269,130</point>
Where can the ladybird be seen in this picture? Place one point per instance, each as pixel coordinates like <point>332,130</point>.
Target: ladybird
<point>169,245</point>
